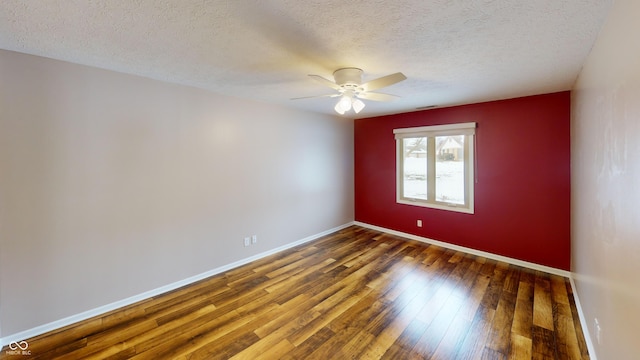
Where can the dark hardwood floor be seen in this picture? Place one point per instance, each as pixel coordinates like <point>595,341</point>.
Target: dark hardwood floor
<point>355,294</point>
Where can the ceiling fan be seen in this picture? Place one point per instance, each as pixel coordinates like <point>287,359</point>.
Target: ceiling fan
<point>348,83</point>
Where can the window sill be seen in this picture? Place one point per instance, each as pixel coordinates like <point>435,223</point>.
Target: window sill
<point>439,206</point>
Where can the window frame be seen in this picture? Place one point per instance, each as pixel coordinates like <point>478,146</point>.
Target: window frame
<point>431,132</point>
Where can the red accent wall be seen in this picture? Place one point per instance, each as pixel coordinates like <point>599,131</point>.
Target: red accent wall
<point>522,196</point>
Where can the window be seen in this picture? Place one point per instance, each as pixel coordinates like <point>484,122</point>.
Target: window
<point>435,166</point>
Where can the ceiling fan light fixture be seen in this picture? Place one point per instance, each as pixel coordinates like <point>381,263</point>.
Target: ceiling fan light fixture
<point>338,108</point>
<point>345,103</point>
<point>358,105</point>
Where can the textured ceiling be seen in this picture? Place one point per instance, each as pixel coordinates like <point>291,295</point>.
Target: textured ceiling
<point>452,51</point>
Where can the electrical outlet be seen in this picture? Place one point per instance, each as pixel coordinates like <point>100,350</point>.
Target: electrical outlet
<point>254,239</point>
<point>419,223</point>
<point>247,241</point>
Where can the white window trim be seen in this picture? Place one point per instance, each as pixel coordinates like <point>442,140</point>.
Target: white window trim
<point>467,129</point>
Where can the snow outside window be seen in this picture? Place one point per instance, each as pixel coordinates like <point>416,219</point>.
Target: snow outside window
<point>435,166</point>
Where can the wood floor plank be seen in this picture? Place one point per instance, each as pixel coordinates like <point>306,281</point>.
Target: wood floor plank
<point>494,290</point>
<point>466,284</point>
<point>193,334</point>
<point>353,294</point>
<point>431,339</point>
<point>406,341</point>
<point>224,347</point>
<point>490,354</point>
<point>544,343</point>
<point>542,305</point>
<point>559,290</point>
<point>285,314</point>
<point>313,342</point>
<point>454,336</point>
<point>63,340</point>
<point>523,315</point>
<point>566,339</point>
<point>521,347</point>
<point>474,296</point>
<point>405,309</point>
<point>342,302</point>
<point>476,340</point>
<point>500,335</point>
<point>576,322</point>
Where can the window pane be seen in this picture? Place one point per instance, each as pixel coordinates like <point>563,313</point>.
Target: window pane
<point>415,167</point>
<point>450,169</point>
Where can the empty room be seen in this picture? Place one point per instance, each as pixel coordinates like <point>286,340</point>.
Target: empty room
<point>419,179</point>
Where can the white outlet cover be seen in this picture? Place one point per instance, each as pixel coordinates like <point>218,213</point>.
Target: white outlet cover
<point>254,239</point>
<point>247,241</point>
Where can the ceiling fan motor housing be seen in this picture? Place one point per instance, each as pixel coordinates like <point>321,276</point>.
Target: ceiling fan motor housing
<point>348,77</point>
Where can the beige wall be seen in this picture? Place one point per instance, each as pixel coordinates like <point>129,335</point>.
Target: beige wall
<point>606,185</point>
<point>112,185</point>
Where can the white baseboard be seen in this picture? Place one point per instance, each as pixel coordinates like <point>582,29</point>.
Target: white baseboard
<point>583,320</point>
<point>488,255</point>
<point>20,336</point>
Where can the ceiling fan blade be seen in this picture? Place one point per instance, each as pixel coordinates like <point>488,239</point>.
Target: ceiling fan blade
<point>325,82</point>
<point>383,81</point>
<point>376,96</point>
<point>315,96</point>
